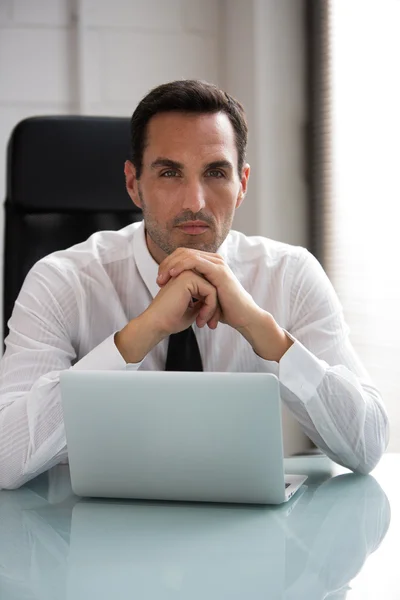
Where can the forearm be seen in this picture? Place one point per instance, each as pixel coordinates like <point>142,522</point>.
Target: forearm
<point>32,437</point>
<point>263,333</point>
<point>340,414</point>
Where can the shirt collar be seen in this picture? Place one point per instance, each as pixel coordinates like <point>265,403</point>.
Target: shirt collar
<point>148,267</point>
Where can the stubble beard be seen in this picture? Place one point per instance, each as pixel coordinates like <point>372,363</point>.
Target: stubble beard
<point>161,236</point>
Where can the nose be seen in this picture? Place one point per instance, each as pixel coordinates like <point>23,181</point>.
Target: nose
<point>194,199</point>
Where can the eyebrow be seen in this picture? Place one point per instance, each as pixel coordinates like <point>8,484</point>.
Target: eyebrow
<point>166,162</point>
<point>220,164</point>
<point>173,164</point>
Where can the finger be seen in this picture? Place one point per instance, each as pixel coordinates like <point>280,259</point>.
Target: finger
<point>182,253</point>
<point>164,267</point>
<point>207,312</point>
<point>175,264</point>
<point>215,319</point>
<point>210,269</point>
<point>209,304</point>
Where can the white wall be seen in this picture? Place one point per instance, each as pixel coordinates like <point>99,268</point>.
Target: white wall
<point>128,47</point>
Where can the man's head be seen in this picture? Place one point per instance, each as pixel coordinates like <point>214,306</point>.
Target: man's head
<point>187,170</point>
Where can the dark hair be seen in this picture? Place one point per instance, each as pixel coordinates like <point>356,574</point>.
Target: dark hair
<point>191,96</point>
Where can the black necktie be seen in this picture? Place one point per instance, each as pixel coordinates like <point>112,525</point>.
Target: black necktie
<point>183,352</point>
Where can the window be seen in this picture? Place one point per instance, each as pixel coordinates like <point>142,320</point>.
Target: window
<point>360,208</point>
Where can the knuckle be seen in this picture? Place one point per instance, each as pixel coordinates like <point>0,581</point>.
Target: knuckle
<point>221,268</point>
<point>186,252</point>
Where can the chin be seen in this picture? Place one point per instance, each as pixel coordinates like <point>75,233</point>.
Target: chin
<point>205,242</point>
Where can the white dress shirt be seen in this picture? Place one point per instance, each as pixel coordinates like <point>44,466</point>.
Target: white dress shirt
<point>72,302</point>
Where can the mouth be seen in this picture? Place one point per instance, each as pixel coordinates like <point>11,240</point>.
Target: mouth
<point>193,227</point>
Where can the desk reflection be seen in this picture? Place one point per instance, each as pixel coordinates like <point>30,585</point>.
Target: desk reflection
<point>35,526</point>
<point>310,548</point>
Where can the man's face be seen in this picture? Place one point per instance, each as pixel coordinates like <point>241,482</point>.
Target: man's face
<point>189,187</point>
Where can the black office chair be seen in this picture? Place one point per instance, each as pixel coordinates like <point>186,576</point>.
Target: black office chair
<point>65,181</point>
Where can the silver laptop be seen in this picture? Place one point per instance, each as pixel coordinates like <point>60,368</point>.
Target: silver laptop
<point>213,437</point>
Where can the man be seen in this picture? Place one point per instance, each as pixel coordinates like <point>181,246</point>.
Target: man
<point>115,301</point>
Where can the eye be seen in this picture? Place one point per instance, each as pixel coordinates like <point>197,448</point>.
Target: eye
<point>215,173</point>
<point>169,174</point>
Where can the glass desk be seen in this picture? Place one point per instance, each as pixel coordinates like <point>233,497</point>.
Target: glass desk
<point>335,539</point>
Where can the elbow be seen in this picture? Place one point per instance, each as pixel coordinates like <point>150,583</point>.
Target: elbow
<point>365,467</point>
<point>375,448</point>
<point>11,478</point>
<point>11,481</point>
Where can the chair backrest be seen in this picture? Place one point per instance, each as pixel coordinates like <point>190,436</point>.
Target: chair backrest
<point>65,181</point>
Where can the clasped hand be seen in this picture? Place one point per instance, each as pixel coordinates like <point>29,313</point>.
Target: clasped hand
<point>200,287</point>
<point>220,296</point>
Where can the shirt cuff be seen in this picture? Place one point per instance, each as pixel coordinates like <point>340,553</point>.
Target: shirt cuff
<point>300,371</point>
<point>105,357</point>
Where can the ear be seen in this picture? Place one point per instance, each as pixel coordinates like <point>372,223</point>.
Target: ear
<point>131,182</point>
<point>243,185</point>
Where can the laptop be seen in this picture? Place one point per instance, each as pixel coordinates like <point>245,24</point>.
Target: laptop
<point>155,435</point>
